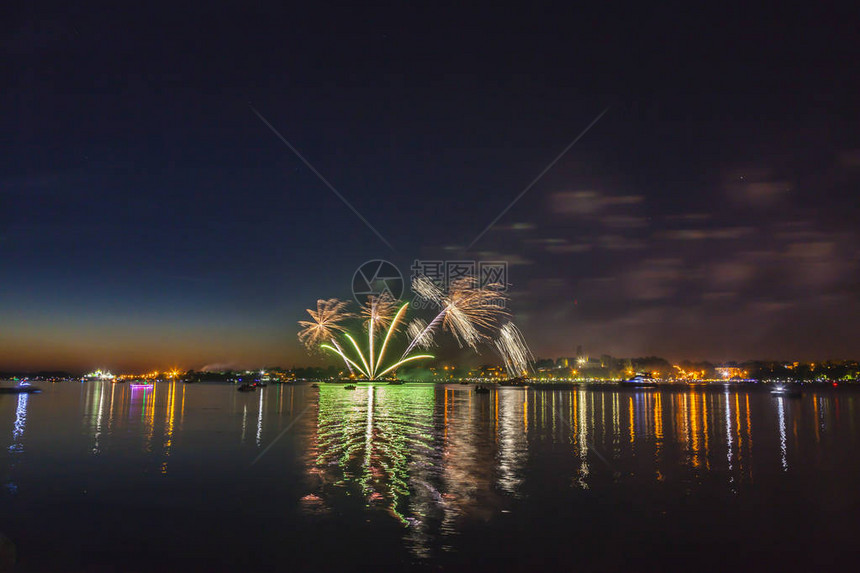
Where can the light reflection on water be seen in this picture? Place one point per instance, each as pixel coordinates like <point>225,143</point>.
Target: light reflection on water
<point>17,446</point>
<point>438,461</point>
<point>376,439</point>
<point>430,468</point>
<point>373,436</point>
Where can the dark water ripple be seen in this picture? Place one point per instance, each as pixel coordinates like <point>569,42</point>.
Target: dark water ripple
<point>110,477</point>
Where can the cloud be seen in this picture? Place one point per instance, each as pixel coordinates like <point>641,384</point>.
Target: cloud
<point>582,203</point>
<point>624,222</point>
<point>734,281</point>
<point>558,245</point>
<point>547,285</point>
<point>514,227</point>
<point>756,187</point>
<point>219,367</point>
<point>730,274</point>
<point>768,307</point>
<point>654,279</point>
<point>569,248</point>
<point>576,202</point>
<point>719,296</point>
<point>702,234</point>
<point>512,259</point>
<point>624,200</point>
<point>849,158</point>
<point>690,217</point>
<point>810,250</point>
<point>620,243</point>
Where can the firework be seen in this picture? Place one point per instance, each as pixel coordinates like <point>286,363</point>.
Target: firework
<point>467,310</point>
<point>378,311</point>
<point>372,366</point>
<point>513,349</point>
<point>326,321</point>
<point>417,331</point>
<point>427,290</point>
<point>473,307</point>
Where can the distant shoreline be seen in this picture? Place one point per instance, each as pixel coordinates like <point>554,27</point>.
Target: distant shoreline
<point>542,385</point>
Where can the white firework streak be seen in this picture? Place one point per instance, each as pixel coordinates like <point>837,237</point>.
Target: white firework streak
<point>418,333</point>
<point>345,361</point>
<point>512,346</point>
<point>467,309</point>
<point>425,334</point>
<point>461,326</point>
<point>427,289</point>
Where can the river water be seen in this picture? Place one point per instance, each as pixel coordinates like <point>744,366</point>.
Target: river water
<point>115,477</point>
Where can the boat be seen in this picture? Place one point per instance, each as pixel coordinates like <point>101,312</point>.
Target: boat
<point>315,385</point>
<point>246,387</point>
<point>141,385</point>
<point>464,383</point>
<point>482,390</point>
<point>98,376</point>
<point>518,381</point>
<point>349,387</point>
<point>787,391</point>
<point>260,384</point>
<point>640,381</point>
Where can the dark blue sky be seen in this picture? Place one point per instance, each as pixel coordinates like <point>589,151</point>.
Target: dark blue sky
<point>149,217</point>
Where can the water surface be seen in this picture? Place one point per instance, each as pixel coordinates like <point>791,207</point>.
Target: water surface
<point>113,477</point>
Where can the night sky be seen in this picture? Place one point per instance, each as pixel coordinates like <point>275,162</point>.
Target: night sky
<point>149,218</point>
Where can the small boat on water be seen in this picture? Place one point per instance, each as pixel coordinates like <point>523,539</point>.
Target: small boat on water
<point>141,385</point>
<point>640,381</point>
<point>464,383</point>
<point>787,391</point>
<point>315,385</point>
<point>482,390</point>
<point>246,387</point>
<point>349,387</point>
